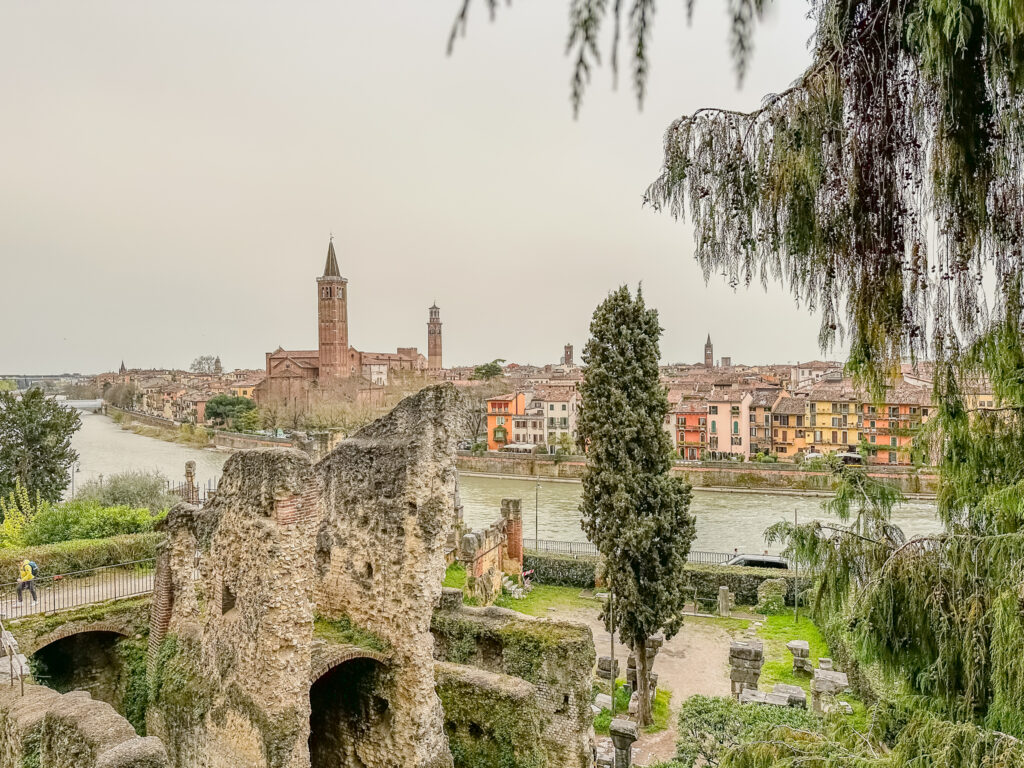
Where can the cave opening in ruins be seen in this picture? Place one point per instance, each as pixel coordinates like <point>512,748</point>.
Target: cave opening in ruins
<point>349,720</point>
<point>87,661</point>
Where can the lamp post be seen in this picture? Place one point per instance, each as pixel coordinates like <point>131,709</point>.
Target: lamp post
<point>74,471</point>
<point>536,516</point>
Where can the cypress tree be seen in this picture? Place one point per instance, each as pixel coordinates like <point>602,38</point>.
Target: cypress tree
<point>634,511</point>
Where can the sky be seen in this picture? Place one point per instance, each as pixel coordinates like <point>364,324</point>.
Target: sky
<point>170,174</point>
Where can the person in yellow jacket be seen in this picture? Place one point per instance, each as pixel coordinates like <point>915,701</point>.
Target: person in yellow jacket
<point>26,580</point>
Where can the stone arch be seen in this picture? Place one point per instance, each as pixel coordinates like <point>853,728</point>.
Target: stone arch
<point>85,657</point>
<point>338,655</point>
<point>350,716</point>
<point>76,628</point>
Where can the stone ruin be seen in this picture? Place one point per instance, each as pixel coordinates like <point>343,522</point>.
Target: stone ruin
<point>293,621</point>
<point>745,661</point>
<point>825,686</point>
<point>726,601</point>
<point>801,651</point>
<point>654,643</point>
<point>494,554</point>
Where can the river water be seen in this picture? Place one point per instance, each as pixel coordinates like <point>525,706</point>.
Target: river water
<point>725,520</point>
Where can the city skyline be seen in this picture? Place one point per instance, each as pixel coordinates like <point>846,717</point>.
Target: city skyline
<point>161,207</point>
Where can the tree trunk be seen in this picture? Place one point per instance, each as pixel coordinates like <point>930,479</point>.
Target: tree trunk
<point>643,705</point>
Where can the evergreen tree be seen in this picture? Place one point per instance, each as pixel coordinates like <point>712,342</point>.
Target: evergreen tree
<point>35,444</point>
<point>634,511</point>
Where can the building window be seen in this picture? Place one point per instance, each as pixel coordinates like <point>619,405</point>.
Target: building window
<point>714,426</point>
<point>834,438</point>
<point>844,437</point>
<point>551,406</point>
<point>782,449</point>
<point>892,457</point>
<point>892,441</point>
<point>500,420</point>
<point>924,411</point>
<point>872,438</point>
<point>753,431</point>
<point>785,435</point>
<point>735,427</point>
<point>563,406</point>
<point>713,410</point>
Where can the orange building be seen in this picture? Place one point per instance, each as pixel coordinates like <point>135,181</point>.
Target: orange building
<point>789,427</point>
<point>888,429</point>
<point>690,428</point>
<point>500,411</point>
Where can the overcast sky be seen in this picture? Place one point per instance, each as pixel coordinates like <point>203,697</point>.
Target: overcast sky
<point>170,173</point>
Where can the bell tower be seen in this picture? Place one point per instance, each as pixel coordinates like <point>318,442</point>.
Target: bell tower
<point>434,339</point>
<point>332,313</point>
<point>709,353</point>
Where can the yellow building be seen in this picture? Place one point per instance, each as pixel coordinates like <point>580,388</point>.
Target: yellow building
<point>832,418</point>
<point>789,427</point>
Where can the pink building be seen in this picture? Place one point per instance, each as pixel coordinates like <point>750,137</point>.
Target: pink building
<point>728,422</point>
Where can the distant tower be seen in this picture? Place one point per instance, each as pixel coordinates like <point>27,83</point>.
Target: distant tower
<point>332,313</point>
<point>434,339</point>
<point>567,357</point>
<point>122,370</point>
<point>217,367</point>
<point>709,353</point>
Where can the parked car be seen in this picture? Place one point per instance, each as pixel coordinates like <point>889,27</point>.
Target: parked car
<point>814,455</point>
<point>758,561</point>
<point>849,457</point>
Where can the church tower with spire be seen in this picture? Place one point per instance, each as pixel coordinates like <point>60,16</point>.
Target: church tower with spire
<point>709,353</point>
<point>434,339</point>
<point>332,313</point>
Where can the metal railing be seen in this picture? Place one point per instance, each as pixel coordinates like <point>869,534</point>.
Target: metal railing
<point>70,590</point>
<point>587,549</point>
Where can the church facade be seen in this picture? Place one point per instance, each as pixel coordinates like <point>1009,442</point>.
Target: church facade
<point>293,375</point>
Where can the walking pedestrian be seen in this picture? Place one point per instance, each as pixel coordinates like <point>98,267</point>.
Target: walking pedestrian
<point>26,580</point>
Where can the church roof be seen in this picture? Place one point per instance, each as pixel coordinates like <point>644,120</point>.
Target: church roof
<point>708,342</point>
<point>331,267</point>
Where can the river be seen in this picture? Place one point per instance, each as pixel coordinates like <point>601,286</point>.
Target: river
<point>725,520</point>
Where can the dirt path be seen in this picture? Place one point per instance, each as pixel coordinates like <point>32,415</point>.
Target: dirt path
<point>696,661</point>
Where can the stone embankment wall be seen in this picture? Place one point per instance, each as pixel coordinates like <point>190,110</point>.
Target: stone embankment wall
<point>744,475</point>
<point>526,674</point>
<point>47,729</point>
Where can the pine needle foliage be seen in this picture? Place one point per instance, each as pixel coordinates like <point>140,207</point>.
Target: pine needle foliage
<point>634,511</point>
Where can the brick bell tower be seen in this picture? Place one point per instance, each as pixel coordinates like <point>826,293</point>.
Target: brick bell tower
<point>434,339</point>
<point>709,353</point>
<point>332,313</point>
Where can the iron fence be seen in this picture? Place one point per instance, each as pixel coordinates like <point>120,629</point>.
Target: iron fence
<point>71,590</point>
<point>193,494</point>
<point>587,549</point>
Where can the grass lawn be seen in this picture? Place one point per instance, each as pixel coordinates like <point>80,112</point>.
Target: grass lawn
<point>730,625</point>
<point>455,576</point>
<point>543,596</point>
<point>778,666</point>
<point>660,712</point>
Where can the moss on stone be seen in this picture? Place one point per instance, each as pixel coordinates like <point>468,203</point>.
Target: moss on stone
<point>180,690</point>
<point>135,699</point>
<point>489,727</point>
<point>30,628</point>
<point>343,631</point>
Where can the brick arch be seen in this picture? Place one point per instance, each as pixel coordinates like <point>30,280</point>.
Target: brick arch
<point>335,656</point>
<point>76,628</point>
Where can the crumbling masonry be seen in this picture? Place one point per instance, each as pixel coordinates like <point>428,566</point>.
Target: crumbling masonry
<point>291,623</point>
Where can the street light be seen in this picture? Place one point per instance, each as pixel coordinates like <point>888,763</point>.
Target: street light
<point>74,471</point>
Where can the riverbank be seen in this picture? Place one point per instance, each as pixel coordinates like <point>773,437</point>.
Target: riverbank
<point>785,479</point>
<point>710,488</point>
<point>189,434</point>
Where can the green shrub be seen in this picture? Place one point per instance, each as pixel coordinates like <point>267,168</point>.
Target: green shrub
<point>561,570</point>
<point>79,555</point>
<point>86,520</point>
<point>771,596</point>
<point>710,726</point>
<point>129,489</point>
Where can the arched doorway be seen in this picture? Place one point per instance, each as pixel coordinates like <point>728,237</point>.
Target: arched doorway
<point>86,661</point>
<point>350,719</point>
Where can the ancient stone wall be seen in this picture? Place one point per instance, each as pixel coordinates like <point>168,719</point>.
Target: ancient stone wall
<point>556,658</point>
<point>290,564</point>
<point>388,509</point>
<point>490,553</point>
<point>50,730</point>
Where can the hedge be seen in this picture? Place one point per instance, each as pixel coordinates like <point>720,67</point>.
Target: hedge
<point>567,571</point>
<point>79,555</point>
<point>561,570</point>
